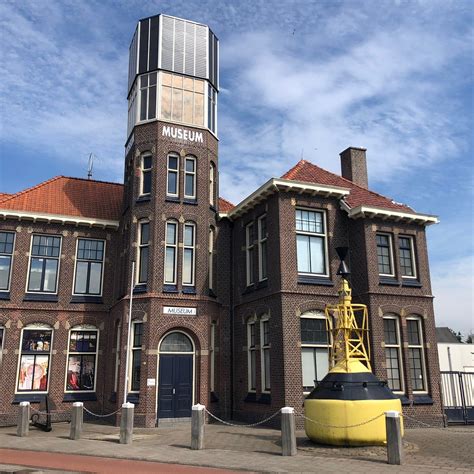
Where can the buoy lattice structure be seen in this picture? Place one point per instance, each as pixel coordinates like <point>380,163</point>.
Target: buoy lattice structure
<point>347,407</point>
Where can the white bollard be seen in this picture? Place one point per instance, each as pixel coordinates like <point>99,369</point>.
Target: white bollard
<point>23,419</point>
<point>288,433</point>
<point>197,426</point>
<point>394,437</point>
<point>126,423</point>
<point>77,420</point>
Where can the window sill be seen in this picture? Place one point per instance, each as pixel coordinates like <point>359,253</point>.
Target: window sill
<point>146,198</point>
<point>172,199</point>
<point>251,397</point>
<point>388,281</point>
<point>188,290</point>
<point>39,297</point>
<point>265,399</point>
<point>192,202</point>
<point>411,283</point>
<point>80,397</point>
<point>314,280</point>
<point>29,397</point>
<point>139,289</point>
<point>87,299</point>
<point>170,289</point>
<point>422,400</point>
<point>4,295</point>
<point>133,398</point>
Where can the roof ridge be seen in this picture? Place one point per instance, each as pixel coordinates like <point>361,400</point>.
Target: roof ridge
<point>27,190</point>
<point>346,180</point>
<point>92,180</point>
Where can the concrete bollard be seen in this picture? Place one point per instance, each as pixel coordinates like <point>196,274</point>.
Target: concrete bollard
<point>77,419</point>
<point>23,419</point>
<point>197,426</point>
<point>288,433</point>
<point>394,437</point>
<point>126,423</point>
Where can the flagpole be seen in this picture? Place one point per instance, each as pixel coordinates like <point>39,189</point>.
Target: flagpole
<point>127,352</point>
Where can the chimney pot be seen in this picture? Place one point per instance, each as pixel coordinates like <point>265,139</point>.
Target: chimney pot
<point>354,166</point>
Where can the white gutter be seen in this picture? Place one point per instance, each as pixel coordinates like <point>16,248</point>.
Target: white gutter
<point>58,218</point>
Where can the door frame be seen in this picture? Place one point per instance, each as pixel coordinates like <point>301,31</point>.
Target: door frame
<point>174,353</point>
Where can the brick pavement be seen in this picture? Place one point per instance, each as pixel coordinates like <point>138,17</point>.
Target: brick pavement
<point>255,449</point>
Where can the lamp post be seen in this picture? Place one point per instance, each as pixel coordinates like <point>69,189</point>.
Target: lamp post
<point>125,391</point>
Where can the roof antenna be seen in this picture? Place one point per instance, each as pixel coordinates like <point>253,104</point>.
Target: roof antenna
<point>302,154</point>
<point>90,166</point>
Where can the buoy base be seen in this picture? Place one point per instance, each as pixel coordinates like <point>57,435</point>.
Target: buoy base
<point>348,413</point>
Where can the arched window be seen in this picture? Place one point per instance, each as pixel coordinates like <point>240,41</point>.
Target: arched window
<point>189,253</point>
<point>82,359</point>
<point>146,165</point>
<point>393,353</point>
<point>315,343</point>
<point>35,353</point>
<point>172,176</point>
<point>416,354</point>
<point>171,252</point>
<point>176,342</point>
<point>190,177</point>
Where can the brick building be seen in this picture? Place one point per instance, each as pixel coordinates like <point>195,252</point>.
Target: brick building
<point>227,300</point>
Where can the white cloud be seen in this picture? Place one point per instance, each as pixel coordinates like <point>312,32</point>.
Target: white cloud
<point>453,287</point>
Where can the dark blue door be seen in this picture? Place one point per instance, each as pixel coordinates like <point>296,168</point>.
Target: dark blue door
<point>175,389</point>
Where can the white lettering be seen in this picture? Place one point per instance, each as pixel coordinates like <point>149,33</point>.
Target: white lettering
<point>179,311</point>
<point>190,135</point>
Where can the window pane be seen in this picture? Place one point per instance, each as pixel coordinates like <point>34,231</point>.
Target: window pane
<point>152,103</point>
<point>50,275</point>
<point>263,249</point>
<point>177,110</point>
<point>81,372</point>
<point>317,255</point>
<point>302,244</point>
<point>308,366</point>
<point>313,331</point>
<point>266,359</point>
<point>137,334</point>
<point>146,182</point>
<point>136,366</point>
<point>188,266</point>
<point>36,340</point>
<point>33,372</point>
<point>95,278</point>
<point>172,182</point>
<point>322,363</point>
<point>6,242</point>
<point>253,373</point>
<point>166,103</point>
<point>188,107</point>
<point>190,165</point>
<point>144,232</point>
<point>5,262</point>
<point>198,109</point>
<point>176,342</point>
<point>188,235</point>
<point>83,341</point>
<point>170,265</point>
<point>189,185</point>
<point>166,78</point>
<point>147,162</point>
<point>171,233</point>
<point>143,273</point>
<point>173,162</point>
<point>81,277</point>
<point>393,368</point>
<point>143,104</point>
<point>413,332</point>
<point>36,272</point>
<point>416,370</point>
<point>390,331</point>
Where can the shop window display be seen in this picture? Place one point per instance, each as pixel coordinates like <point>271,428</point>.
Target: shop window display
<point>82,359</point>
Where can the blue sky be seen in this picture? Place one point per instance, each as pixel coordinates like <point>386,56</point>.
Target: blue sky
<point>298,78</point>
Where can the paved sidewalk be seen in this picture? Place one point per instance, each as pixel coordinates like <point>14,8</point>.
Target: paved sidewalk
<point>254,449</point>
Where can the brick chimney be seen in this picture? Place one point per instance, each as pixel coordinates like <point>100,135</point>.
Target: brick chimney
<point>354,166</point>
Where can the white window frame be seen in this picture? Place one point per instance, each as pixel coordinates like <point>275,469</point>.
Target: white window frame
<point>316,314</point>
<point>2,342</point>
<point>175,247</point>
<point>212,184</point>
<point>12,256</point>
<point>192,248</point>
<point>390,245</point>
<point>76,259</point>
<point>82,328</point>
<point>34,256</point>
<point>212,356</point>
<point>131,350</point>
<point>421,348</point>
<point>140,246</point>
<point>212,233</point>
<point>324,236</point>
<point>144,170</point>
<point>249,251</point>
<point>251,353</point>
<point>172,171</point>
<point>398,347</point>
<point>411,239</point>
<point>29,327</point>
<point>139,97</point>
<point>265,348</point>
<point>262,242</point>
<point>193,174</point>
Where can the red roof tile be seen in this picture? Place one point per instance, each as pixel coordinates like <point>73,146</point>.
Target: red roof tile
<point>69,197</point>
<point>4,196</point>
<point>224,205</point>
<point>307,172</point>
